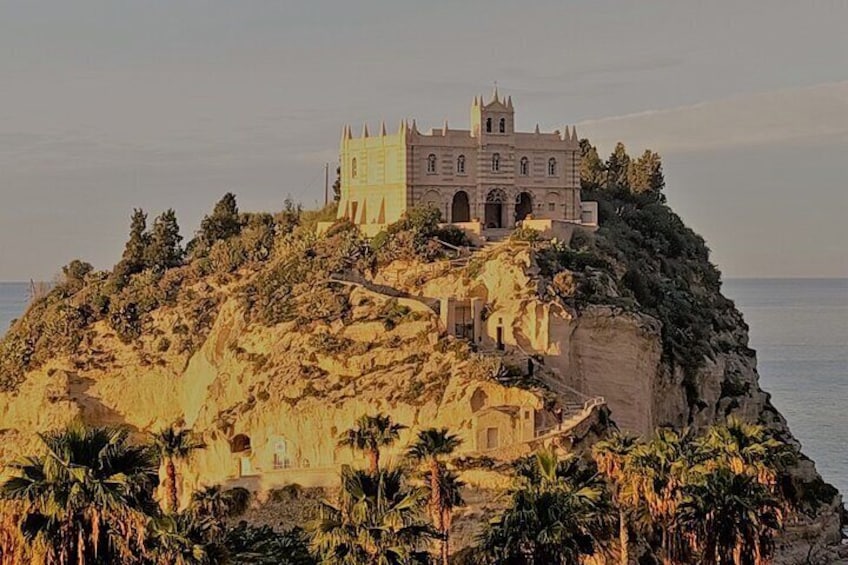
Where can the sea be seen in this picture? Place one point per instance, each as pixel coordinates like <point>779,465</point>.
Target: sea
<point>799,328</point>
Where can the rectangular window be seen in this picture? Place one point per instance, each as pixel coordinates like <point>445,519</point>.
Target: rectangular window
<point>551,206</point>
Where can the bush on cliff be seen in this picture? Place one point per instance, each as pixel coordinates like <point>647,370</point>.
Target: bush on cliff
<point>417,236</point>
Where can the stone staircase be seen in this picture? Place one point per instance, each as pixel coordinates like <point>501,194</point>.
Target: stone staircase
<point>575,405</point>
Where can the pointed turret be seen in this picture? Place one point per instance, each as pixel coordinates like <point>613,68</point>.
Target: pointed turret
<point>475,103</point>
<point>414,126</point>
<point>383,128</point>
<point>509,102</point>
<point>495,93</point>
<point>365,130</point>
<point>537,129</point>
<point>574,133</point>
<point>445,128</point>
<point>566,136</point>
<point>402,127</point>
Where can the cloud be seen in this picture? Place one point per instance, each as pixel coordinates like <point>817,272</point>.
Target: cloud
<point>811,115</point>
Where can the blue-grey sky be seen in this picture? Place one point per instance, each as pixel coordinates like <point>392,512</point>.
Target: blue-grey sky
<point>106,106</point>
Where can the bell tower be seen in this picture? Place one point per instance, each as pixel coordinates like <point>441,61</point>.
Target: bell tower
<point>495,118</point>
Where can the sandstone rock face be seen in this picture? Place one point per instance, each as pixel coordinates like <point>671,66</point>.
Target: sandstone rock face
<point>271,402</point>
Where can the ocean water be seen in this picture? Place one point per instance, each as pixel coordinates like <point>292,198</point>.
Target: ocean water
<point>14,297</point>
<point>799,328</point>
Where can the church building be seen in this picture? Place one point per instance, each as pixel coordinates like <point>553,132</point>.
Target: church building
<point>488,177</point>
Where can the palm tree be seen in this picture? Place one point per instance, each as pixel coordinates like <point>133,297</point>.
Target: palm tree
<point>450,497</point>
<point>220,504</point>
<point>261,545</point>
<point>557,515</point>
<point>174,444</point>
<point>746,448</point>
<point>87,497</point>
<point>431,445</point>
<point>370,434</point>
<point>612,457</point>
<point>184,539</point>
<point>378,521</point>
<point>732,517</point>
<point>659,468</point>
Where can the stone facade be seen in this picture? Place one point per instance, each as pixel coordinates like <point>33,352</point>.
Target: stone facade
<point>489,175</point>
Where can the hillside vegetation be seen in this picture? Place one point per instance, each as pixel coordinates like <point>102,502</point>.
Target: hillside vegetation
<point>258,322</point>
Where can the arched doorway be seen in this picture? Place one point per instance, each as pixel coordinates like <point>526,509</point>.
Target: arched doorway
<point>460,210</point>
<point>240,443</point>
<point>494,208</point>
<point>241,448</point>
<point>523,206</point>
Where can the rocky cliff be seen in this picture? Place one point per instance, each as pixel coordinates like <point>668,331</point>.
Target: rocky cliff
<point>271,358</point>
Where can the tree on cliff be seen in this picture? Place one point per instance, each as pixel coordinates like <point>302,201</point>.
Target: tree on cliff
<point>431,445</point>
<point>132,261</point>
<point>731,517</point>
<point>185,539</point>
<point>337,185</point>
<point>378,520</point>
<point>746,449</point>
<point>558,514</point>
<point>220,503</point>
<point>87,498</point>
<point>612,457</point>
<point>174,444</point>
<point>369,434</point>
<point>223,223</point>
<point>645,174</point>
<point>164,251</point>
<point>659,469</point>
<point>593,174</point>
<point>618,166</point>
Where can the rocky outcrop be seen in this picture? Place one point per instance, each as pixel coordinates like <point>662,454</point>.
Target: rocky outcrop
<point>271,400</point>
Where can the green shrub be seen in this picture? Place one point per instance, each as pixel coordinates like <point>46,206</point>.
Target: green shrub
<point>525,234</point>
<point>329,343</point>
<point>392,313</point>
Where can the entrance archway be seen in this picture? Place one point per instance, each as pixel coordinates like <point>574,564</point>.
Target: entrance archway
<point>460,210</point>
<point>494,208</point>
<point>523,206</point>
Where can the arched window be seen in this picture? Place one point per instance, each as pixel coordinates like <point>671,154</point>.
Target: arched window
<point>552,168</point>
<point>524,167</point>
<point>460,164</point>
<point>431,163</point>
<point>502,125</point>
<point>488,125</point>
<point>496,162</point>
<point>353,167</point>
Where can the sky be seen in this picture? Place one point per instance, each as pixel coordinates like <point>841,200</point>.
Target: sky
<point>109,106</point>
